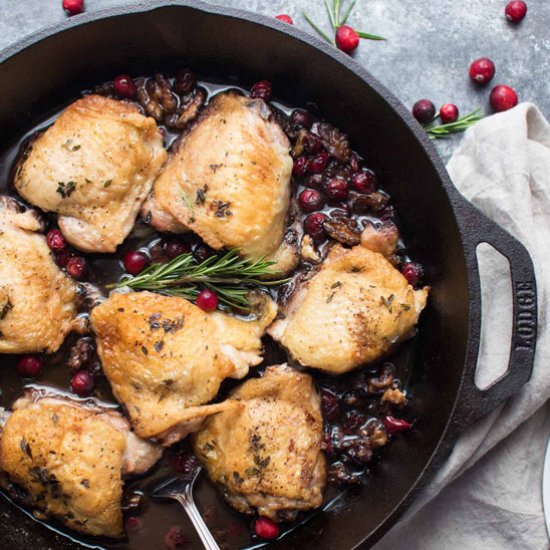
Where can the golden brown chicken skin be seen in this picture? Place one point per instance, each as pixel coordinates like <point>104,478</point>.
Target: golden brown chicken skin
<point>265,452</point>
<point>37,300</point>
<point>70,458</point>
<point>166,358</point>
<point>352,312</point>
<point>228,180</point>
<point>94,167</point>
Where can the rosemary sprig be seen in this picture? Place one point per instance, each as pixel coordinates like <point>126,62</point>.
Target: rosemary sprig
<point>463,123</point>
<point>229,276</point>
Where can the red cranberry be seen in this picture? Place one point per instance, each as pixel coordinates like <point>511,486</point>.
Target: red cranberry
<point>261,90</point>
<point>330,405</point>
<point>314,181</point>
<point>337,190</point>
<point>364,182</point>
<point>352,421</point>
<point>73,7</point>
<point>503,98</point>
<point>185,463</point>
<point>300,119</point>
<point>515,11</point>
<point>133,523</point>
<point>175,538</point>
<point>482,70</point>
<point>175,248</point>
<point>124,86</point>
<point>185,82</point>
<point>301,166</point>
<point>285,18</point>
<point>77,266</point>
<point>395,425</point>
<point>266,529</point>
<point>448,113</point>
<point>55,239</point>
<point>314,225</point>
<point>63,257</point>
<point>412,272</point>
<point>29,366</point>
<point>207,300</point>
<point>424,111</point>
<point>310,200</point>
<point>319,162</point>
<point>346,38</point>
<point>313,143</point>
<point>135,262</point>
<point>82,382</point>
<point>355,162</point>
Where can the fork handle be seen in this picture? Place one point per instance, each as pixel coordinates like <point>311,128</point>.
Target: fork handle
<point>188,503</point>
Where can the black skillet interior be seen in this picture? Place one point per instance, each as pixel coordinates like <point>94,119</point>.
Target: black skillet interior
<point>228,46</point>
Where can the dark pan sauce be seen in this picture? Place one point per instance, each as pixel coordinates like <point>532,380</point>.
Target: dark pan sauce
<point>149,524</point>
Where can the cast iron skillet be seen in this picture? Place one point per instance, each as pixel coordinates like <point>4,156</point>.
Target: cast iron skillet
<point>442,229</point>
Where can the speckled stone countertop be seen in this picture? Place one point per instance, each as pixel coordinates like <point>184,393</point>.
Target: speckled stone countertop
<point>429,48</point>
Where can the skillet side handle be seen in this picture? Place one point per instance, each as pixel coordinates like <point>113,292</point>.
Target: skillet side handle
<point>474,403</point>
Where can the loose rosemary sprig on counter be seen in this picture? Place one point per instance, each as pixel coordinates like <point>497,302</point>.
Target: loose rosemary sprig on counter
<point>460,125</point>
<point>229,276</point>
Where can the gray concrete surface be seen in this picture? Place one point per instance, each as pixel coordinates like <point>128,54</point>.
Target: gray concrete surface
<point>429,48</point>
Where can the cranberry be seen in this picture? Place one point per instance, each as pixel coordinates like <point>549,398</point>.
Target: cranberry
<point>412,272</point>
<point>503,98</point>
<point>207,300</point>
<point>319,162</point>
<point>352,421</point>
<point>73,7</point>
<point>77,266</point>
<point>185,82</point>
<point>337,189</point>
<point>314,225</point>
<point>63,257</point>
<point>133,523</point>
<point>82,382</point>
<point>285,18</point>
<point>301,166</point>
<point>482,70</point>
<point>175,248</point>
<point>261,90</point>
<point>201,252</point>
<point>396,425</point>
<point>315,181</point>
<point>330,405</point>
<point>300,119</point>
<point>310,200</point>
<point>313,143</point>
<point>55,239</point>
<point>185,463</point>
<point>135,262</point>
<point>515,11</point>
<point>124,86</point>
<point>29,366</point>
<point>347,39</point>
<point>266,529</point>
<point>448,113</point>
<point>175,538</point>
<point>364,182</point>
<point>424,111</point>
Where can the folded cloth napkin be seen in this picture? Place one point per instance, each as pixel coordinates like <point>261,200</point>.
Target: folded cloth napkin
<point>503,167</point>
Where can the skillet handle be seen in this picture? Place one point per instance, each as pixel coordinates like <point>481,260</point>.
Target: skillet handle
<point>474,403</point>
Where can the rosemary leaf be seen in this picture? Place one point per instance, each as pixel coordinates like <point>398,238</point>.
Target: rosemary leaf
<point>330,14</point>
<point>348,13</point>
<point>370,36</point>
<point>317,29</point>
<point>186,199</point>
<point>460,125</point>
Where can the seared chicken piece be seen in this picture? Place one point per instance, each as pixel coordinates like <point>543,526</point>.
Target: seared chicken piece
<point>380,239</point>
<point>265,452</point>
<point>350,313</point>
<point>94,167</point>
<point>70,457</point>
<point>228,181</point>
<point>166,358</point>
<point>37,300</point>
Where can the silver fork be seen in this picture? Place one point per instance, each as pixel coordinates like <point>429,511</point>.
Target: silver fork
<point>181,489</point>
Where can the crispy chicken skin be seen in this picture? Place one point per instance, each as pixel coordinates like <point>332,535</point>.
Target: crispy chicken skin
<point>94,167</point>
<point>350,313</point>
<point>228,180</point>
<point>37,300</point>
<point>166,358</point>
<point>70,458</point>
<point>265,453</point>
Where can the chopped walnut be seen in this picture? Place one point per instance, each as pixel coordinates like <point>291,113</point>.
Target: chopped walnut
<point>394,396</point>
<point>334,141</point>
<point>308,251</point>
<point>190,108</point>
<point>344,230</point>
<point>379,438</point>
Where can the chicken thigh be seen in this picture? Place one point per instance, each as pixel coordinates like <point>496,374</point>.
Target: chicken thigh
<point>69,458</point>
<point>349,313</point>
<point>94,167</point>
<point>265,453</point>
<point>166,358</point>
<point>37,300</point>
<point>228,181</point>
